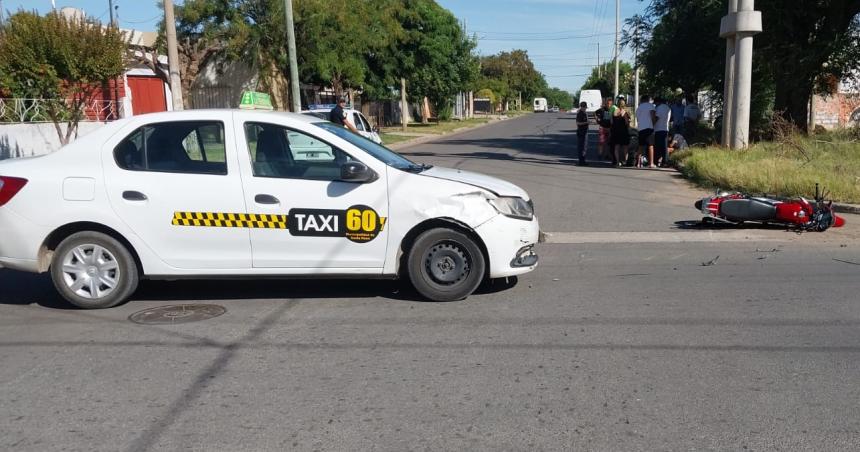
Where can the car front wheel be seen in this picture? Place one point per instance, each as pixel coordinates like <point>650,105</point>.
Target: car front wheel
<point>92,270</point>
<point>445,265</point>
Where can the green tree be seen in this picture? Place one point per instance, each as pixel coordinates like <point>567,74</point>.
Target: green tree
<point>61,61</point>
<point>434,54</point>
<point>558,98</point>
<point>603,78</point>
<point>516,72</point>
<point>806,45</point>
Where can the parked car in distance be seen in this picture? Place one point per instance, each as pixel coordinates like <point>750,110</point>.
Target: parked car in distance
<point>358,120</point>
<point>554,109</point>
<point>245,193</point>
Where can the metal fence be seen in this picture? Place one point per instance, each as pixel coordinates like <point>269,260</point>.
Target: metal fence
<point>17,110</point>
<point>214,97</point>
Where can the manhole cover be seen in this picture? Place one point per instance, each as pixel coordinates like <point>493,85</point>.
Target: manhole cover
<point>180,313</point>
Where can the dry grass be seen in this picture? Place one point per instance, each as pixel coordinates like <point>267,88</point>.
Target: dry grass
<point>789,167</point>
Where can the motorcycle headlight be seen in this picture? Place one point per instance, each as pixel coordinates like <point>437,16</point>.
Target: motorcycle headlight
<point>514,207</point>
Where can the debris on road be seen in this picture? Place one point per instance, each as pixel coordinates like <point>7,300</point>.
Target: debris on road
<point>775,250</point>
<point>710,262</point>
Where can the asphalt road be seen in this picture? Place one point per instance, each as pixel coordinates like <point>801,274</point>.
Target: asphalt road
<point>621,340</point>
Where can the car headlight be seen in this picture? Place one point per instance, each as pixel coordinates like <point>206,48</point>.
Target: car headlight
<point>514,207</point>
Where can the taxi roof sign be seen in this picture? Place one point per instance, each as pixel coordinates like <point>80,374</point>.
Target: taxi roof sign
<point>253,100</point>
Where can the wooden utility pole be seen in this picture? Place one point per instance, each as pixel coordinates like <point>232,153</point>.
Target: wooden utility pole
<point>172,56</point>
<point>617,33</point>
<point>404,107</point>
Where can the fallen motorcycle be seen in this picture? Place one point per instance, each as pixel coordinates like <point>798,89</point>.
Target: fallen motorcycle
<point>800,213</point>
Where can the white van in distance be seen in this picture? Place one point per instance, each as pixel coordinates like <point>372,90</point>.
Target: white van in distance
<point>592,97</point>
<point>540,104</point>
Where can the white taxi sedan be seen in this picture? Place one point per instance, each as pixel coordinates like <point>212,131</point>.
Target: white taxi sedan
<point>218,193</point>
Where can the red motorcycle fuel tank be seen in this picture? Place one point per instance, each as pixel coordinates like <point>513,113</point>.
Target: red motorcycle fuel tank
<point>796,212</point>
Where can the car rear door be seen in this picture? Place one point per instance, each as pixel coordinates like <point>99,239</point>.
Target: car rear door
<point>176,184</point>
<point>319,224</point>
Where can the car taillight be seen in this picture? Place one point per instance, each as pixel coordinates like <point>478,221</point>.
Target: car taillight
<point>9,187</point>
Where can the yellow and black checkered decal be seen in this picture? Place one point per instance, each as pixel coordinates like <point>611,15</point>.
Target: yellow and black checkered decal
<point>358,223</point>
<point>230,220</point>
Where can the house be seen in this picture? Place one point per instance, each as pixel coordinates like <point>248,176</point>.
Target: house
<point>840,109</point>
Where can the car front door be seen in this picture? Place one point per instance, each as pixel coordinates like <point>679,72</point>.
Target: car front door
<point>177,186</point>
<point>319,223</point>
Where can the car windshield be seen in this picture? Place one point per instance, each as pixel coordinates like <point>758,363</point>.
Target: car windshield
<point>378,151</point>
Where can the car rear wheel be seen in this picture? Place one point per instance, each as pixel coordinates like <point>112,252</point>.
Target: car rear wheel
<point>445,265</point>
<point>92,270</point>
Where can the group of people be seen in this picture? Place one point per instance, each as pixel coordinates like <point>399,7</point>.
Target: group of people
<point>654,121</point>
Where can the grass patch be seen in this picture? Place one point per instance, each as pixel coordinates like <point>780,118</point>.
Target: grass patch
<point>787,168</point>
<point>438,127</point>
<point>388,138</point>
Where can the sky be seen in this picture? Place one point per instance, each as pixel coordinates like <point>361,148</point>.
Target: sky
<point>561,36</point>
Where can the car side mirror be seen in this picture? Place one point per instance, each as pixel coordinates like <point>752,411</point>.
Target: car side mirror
<point>375,129</point>
<point>356,172</point>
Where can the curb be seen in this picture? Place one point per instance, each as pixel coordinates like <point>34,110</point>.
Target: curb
<point>427,139</point>
<point>846,208</point>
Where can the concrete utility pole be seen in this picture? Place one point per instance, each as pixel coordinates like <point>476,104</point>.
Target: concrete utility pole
<point>598,60</point>
<point>172,56</point>
<point>617,31</point>
<point>294,65</point>
<point>739,25</point>
<point>636,75</point>
<point>110,8</point>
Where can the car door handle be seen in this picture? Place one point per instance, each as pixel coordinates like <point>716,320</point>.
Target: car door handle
<point>266,199</point>
<point>131,195</point>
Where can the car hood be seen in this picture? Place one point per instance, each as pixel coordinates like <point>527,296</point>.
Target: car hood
<point>493,184</point>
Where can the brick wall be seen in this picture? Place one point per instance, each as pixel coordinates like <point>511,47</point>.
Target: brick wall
<point>838,110</point>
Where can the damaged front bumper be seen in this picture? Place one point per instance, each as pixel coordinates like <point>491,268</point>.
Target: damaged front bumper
<point>510,245</point>
<point>526,257</point>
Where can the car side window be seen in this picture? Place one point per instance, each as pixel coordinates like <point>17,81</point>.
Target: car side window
<point>356,121</point>
<point>193,147</point>
<point>365,123</point>
<point>279,152</point>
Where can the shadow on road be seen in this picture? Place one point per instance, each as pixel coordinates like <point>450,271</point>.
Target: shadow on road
<point>20,288</point>
<point>562,146</point>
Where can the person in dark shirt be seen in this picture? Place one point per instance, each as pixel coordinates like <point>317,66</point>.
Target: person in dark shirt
<point>603,116</point>
<point>338,115</point>
<point>582,132</point>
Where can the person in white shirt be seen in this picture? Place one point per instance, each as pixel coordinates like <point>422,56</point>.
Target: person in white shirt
<point>661,130</point>
<point>645,117</point>
<point>692,116</point>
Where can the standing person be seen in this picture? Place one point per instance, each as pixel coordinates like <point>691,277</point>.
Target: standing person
<point>677,108</point>
<point>619,132</point>
<point>582,132</point>
<point>645,121</point>
<point>692,116</point>
<point>661,131</point>
<point>603,116</point>
<point>338,115</point>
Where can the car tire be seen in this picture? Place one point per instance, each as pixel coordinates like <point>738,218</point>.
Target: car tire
<point>445,265</point>
<point>92,270</point>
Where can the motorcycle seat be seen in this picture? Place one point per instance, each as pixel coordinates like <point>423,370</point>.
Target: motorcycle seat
<point>748,210</point>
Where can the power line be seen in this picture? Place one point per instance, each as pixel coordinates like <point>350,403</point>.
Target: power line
<point>562,38</point>
<point>143,21</point>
